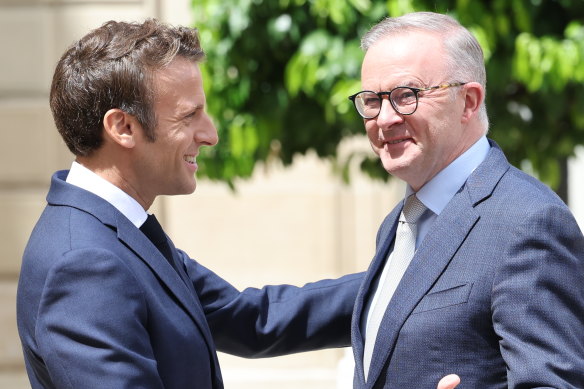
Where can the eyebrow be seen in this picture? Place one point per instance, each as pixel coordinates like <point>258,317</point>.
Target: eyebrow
<point>192,110</point>
<point>414,84</point>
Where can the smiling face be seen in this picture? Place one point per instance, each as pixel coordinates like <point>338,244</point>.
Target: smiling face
<point>415,148</point>
<point>167,165</point>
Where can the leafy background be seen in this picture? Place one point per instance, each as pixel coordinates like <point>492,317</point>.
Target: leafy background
<point>279,72</point>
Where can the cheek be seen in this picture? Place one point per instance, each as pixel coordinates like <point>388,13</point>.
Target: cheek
<point>439,132</point>
<point>420,129</point>
<point>372,131</point>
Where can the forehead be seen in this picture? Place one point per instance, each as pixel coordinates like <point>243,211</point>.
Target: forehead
<point>180,81</point>
<point>414,57</point>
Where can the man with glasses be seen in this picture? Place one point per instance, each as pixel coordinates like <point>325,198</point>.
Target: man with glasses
<point>480,270</point>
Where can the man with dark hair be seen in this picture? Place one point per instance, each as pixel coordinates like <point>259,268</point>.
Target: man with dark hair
<point>105,300</point>
<point>480,270</point>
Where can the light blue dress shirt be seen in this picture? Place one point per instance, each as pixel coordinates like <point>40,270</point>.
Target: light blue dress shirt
<point>435,195</point>
<point>438,192</point>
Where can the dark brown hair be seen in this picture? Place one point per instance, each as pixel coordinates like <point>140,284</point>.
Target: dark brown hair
<point>112,67</point>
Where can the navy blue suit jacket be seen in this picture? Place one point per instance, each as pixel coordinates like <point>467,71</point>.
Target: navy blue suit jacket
<point>494,293</point>
<point>99,307</point>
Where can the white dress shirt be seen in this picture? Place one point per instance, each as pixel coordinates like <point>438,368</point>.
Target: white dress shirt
<point>435,195</point>
<point>84,178</point>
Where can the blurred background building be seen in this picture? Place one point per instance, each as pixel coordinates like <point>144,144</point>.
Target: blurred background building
<point>285,225</point>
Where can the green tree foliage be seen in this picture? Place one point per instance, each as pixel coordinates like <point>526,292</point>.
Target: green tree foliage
<point>279,72</point>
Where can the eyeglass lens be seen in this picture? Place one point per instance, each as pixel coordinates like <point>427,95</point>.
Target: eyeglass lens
<point>403,99</point>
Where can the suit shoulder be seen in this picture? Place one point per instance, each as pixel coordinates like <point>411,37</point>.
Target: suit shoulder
<point>520,199</point>
<point>65,228</point>
<point>527,190</point>
<point>62,233</point>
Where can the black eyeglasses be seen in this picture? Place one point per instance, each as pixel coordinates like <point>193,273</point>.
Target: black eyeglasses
<point>404,99</point>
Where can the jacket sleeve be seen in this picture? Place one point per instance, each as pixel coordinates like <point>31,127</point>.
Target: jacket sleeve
<point>276,320</point>
<point>538,302</point>
<point>90,326</point>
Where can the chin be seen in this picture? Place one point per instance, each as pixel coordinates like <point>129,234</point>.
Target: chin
<point>394,167</point>
<point>389,164</point>
<point>185,189</point>
<point>193,186</point>
<point>189,190</point>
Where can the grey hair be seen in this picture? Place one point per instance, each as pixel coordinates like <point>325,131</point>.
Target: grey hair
<point>465,60</point>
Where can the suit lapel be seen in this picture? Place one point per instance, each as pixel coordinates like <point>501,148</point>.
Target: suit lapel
<point>430,260</point>
<point>200,318</point>
<point>384,241</point>
<point>447,234</point>
<point>179,285</point>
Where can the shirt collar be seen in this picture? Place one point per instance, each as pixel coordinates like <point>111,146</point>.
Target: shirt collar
<point>437,192</point>
<point>84,178</point>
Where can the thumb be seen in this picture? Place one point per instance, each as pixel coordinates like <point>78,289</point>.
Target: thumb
<point>450,381</point>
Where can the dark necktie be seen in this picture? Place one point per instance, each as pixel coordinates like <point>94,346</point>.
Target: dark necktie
<point>153,231</point>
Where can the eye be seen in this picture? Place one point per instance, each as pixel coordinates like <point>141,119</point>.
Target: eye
<point>403,96</point>
<point>189,116</point>
<point>370,100</point>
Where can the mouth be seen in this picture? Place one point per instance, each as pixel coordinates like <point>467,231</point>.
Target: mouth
<point>386,143</point>
<point>191,160</point>
<point>396,141</point>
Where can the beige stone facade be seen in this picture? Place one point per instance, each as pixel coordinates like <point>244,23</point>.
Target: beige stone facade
<point>290,225</point>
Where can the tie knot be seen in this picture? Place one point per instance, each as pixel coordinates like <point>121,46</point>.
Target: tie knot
<point>413,209</point>
<point>153,230</point>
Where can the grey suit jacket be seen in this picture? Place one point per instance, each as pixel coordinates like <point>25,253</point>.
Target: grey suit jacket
<point>494,293</point>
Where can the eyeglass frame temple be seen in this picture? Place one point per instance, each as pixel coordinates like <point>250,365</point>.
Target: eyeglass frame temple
<point>388,93</point>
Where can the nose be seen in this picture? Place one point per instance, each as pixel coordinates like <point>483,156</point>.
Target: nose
<point>387,115</point>
<point>207,133</point>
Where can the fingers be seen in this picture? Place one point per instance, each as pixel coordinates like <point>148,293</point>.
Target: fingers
<point>449,382</point>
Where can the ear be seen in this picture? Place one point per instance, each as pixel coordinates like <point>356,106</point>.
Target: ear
<point>121,127</point>
<point>474,94</point>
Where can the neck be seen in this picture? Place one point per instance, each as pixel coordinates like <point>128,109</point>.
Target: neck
<point>117,176</point>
